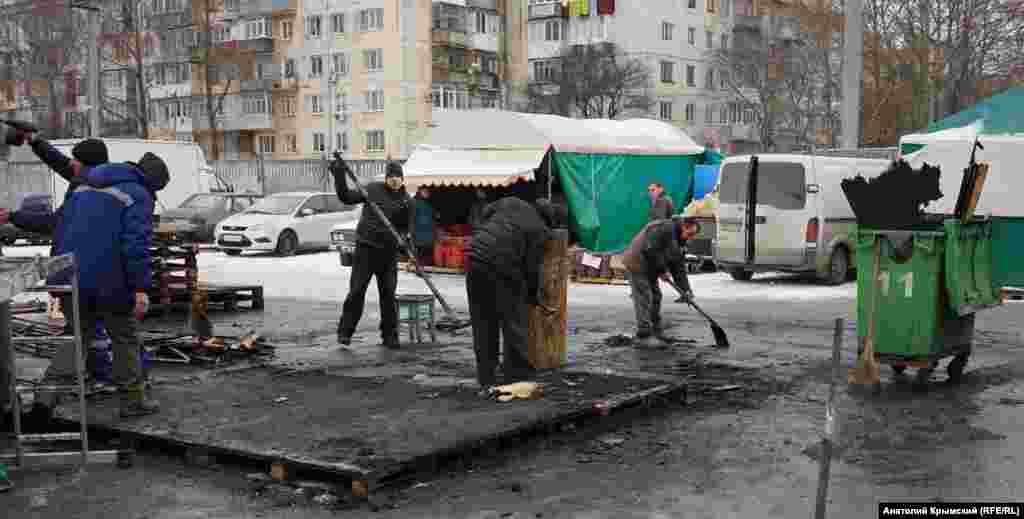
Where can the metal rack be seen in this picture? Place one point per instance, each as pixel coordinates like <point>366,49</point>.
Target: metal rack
<point>18,275</point>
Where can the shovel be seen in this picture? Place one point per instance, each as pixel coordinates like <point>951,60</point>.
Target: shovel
<point>721,339</point>
<point>450,322</point>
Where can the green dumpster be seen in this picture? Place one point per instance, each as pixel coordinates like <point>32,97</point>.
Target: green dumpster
<point>1008,252</point>
<point>931,281</point>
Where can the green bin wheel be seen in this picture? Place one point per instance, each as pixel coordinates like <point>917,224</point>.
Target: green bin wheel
<point>924,375</point>
<point>955,369</point>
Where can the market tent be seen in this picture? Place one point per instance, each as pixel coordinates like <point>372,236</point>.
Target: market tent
<point>603,166</point>
<point>998,124</point>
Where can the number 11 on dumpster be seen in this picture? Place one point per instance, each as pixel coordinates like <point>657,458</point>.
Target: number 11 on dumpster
<point>908,284</point>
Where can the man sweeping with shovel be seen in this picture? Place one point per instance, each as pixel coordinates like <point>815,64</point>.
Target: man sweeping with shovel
<point>657,252</point>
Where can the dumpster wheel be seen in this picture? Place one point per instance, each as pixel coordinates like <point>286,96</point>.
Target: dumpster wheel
<point>955,369</point>
<point>924,375</point>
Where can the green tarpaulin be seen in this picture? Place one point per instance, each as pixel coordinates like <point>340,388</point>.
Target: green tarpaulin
<point>607,194</point>
<point>1002,114</point>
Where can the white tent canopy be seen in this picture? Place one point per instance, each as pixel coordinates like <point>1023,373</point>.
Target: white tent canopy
<point>950,150</point>
<point>496,147</point>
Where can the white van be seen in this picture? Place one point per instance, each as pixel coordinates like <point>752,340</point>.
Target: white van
<point>186,162</point>
<point>803,222</point>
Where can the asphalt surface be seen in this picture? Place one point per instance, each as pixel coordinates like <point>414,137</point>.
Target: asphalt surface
<point>749,454</point>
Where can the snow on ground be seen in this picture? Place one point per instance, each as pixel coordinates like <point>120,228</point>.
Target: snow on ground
<point>320,276</point>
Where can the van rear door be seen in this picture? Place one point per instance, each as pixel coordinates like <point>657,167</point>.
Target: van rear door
<point>781,213</point>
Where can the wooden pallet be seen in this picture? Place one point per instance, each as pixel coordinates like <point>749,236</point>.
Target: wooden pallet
<point>228,296</point>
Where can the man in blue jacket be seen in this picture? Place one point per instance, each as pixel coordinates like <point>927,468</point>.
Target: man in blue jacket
<point>107,223</point>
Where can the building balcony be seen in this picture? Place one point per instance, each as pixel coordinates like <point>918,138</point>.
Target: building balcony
<point>545,10</point>
<point>233,121</point>
<point>249,8</point>
<point>483,4</point>
<point>747,23</point>
<point>448,38</point>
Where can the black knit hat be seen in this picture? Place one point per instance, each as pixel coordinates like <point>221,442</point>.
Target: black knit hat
<point>154,171</point>
<point>394,169</point>
<point>90,152</point>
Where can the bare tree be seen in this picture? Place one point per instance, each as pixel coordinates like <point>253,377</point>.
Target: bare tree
<point>218,66</point>
<point>130,45</point>
<point>43,47</point>
<point>594,81</point>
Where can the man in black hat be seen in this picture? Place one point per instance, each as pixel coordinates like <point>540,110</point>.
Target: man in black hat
<point>377,250</point>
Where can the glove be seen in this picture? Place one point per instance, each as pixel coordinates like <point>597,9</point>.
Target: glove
<point>666,277</point>
<point>5,216</point>
<point>141,305</point>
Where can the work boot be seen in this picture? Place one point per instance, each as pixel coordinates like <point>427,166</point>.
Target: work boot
<point>344,339</point>
<point>134,403</point>
<point>391,342</point>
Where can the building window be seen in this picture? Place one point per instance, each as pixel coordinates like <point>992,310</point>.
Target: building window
<point>229,5</point>
<point>748,116</point>
<point>375,141</point>
<point>316,66</point>
<point>289,68</point>
<point>375,100</point>
<point>338,23</point>
<point>691,36</point>
<point>692,4</point>
<point>710,39</point>
<point>666,31</point>
<point>266,144</point>
<point>371,20</point>
<point>339,64</point>
<point>723,114</point>
<point>734,113</point>
<point>691,112</point>
<point>553,30</point>
<point>313,27</point>
<point>665,109</point>
<point>340,103</point>
<point>373,59</point>
<point>489,101</point>
<point>723,79</point>
<point>725,42</point>
<point>711,5</point>
<point>666,72</point>
<point>481,21</point>
<point>318,142</point>
<point>709,79</point>
<point>341,141</point>
<point>256,104</point>
<point>113,79</point>
<point>287,30</point>
<point>449,98</point>
<point>258,28</point>
<point>545,70</point>
<point>314,104</point>
<point>691,75</point>
<point>292,143</point>
<point>709,114</point>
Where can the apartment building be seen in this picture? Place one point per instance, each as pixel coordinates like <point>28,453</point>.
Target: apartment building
<point>673,37</point>
<point>318,76</point>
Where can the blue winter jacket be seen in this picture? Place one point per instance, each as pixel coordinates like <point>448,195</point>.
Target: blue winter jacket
<point>108,224</point>
<point>423,222</point>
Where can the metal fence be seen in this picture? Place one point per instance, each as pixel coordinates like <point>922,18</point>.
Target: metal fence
<point>276,176</point>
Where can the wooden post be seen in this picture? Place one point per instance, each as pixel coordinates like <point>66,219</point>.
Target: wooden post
<point>548,343</point>
<point>825,459</point>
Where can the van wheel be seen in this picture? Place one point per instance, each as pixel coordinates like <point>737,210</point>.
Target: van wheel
<point>741,274</point>
<point>838,267</point>
<point>287,243</point>
<point>232,252</point>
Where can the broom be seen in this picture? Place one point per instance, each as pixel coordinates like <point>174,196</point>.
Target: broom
<point>868,371</point>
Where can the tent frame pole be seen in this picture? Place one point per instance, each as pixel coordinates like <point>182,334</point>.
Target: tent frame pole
<point>551,179</point>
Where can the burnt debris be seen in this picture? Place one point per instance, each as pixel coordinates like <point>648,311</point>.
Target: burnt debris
<point>895,199</point>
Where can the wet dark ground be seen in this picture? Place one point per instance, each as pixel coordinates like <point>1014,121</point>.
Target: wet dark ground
<point>747,451</point>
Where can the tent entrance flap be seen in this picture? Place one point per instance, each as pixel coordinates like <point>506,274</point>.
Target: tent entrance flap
<point>607,194</point>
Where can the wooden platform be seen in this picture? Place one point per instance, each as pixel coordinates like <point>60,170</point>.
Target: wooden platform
<point>369,431</point>
<point>226,296</point>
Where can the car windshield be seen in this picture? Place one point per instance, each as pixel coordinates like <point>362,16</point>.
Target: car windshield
<point>202,202</point>
<point>276,204</point>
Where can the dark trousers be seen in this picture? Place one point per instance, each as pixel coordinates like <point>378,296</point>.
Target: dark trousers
<point>122,327</point>
<point>425,254</point>
<point>498,305</point>
<point>369,262</point>
<point>646,302</point>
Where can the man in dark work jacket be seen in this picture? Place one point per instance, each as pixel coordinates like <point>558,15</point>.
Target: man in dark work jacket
<point>505,258</point>
<point>377,250</point>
